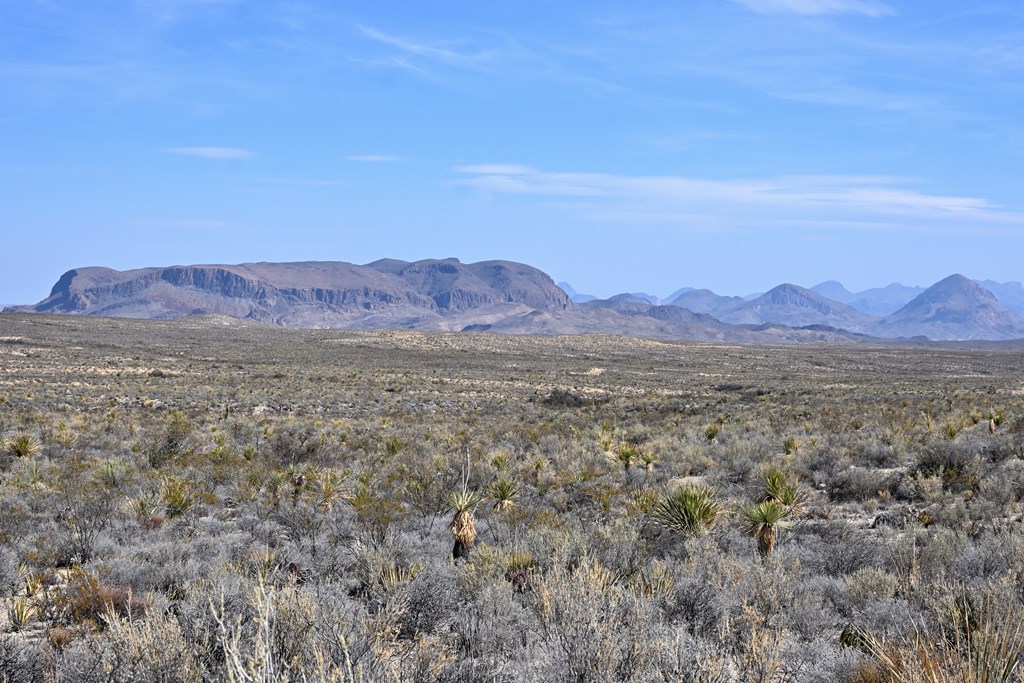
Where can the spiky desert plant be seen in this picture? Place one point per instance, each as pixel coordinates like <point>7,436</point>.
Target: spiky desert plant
<point>776,486</point>
<point>23,446</point>
<point>503,491</point>
<point>763,521</point>
<point>21,612</point>
<point>627,454</point>
<point>711,433</point>
<point>176,497</point>
<point>688,510</point>
<point>790,445</point>
<point>329,488</point>
<point>463,531</point>
<point>649,460</point>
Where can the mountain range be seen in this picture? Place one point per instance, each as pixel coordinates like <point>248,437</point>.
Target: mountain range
<point>514,298</point>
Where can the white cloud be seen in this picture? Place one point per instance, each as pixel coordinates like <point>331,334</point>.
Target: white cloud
<point>805,202</point>
<point>213,152</point>
<point>374,158</point>
<point>818,7</point>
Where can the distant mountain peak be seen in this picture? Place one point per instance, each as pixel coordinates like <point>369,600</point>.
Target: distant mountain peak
<point>834,290</point>
<point>955,307</point>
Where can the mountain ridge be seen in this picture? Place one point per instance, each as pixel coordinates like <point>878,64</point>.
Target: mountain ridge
<point>515,298</point>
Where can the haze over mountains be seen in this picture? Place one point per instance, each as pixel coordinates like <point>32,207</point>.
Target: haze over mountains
<point>514,298</point>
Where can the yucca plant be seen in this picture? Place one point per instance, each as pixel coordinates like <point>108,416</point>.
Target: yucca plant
<point>393,445</point>
<point>176,498</point>
<point>500,461</point>
<point>503,491</point>
<point>711,433</point>
<point>688,510</point>
<point>649,459</point>
<point>329,488</point>
<point>110,474</point>
<point>144,507</point>
<point>790,445</point>
<point>463,531</point>
<point>776,486</point>
<point>763,521</point>
<point>21,612</point>
<point>627,454</point>
<point>23,446</point>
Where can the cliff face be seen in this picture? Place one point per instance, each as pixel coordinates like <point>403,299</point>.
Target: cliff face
<point>455,286</point>
<point>303,294</point>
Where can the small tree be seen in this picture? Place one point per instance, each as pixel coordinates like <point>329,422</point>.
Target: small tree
<point>463,531</point>
<point>763,521</point>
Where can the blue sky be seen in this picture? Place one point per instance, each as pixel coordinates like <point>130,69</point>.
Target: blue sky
<point>640,146</point>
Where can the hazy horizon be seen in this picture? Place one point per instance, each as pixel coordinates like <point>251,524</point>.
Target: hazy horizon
<point>730,145</point>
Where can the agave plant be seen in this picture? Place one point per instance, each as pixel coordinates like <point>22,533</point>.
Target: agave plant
<point>689,510</point>
<point>463,531</point>
<point>763,521</point>
<point>503,491</point>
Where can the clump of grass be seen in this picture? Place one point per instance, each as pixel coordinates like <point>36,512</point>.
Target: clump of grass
<point>984,644</point>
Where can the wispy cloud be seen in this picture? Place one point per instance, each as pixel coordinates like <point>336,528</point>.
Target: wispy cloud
<point>801,202</point>
<point>213,152</point>
<point>818,7</point>
<point>496,169</point>
<point>312,182</point>
<point>172,224</point>
<point>438,52</point>
<point>374,158</point>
